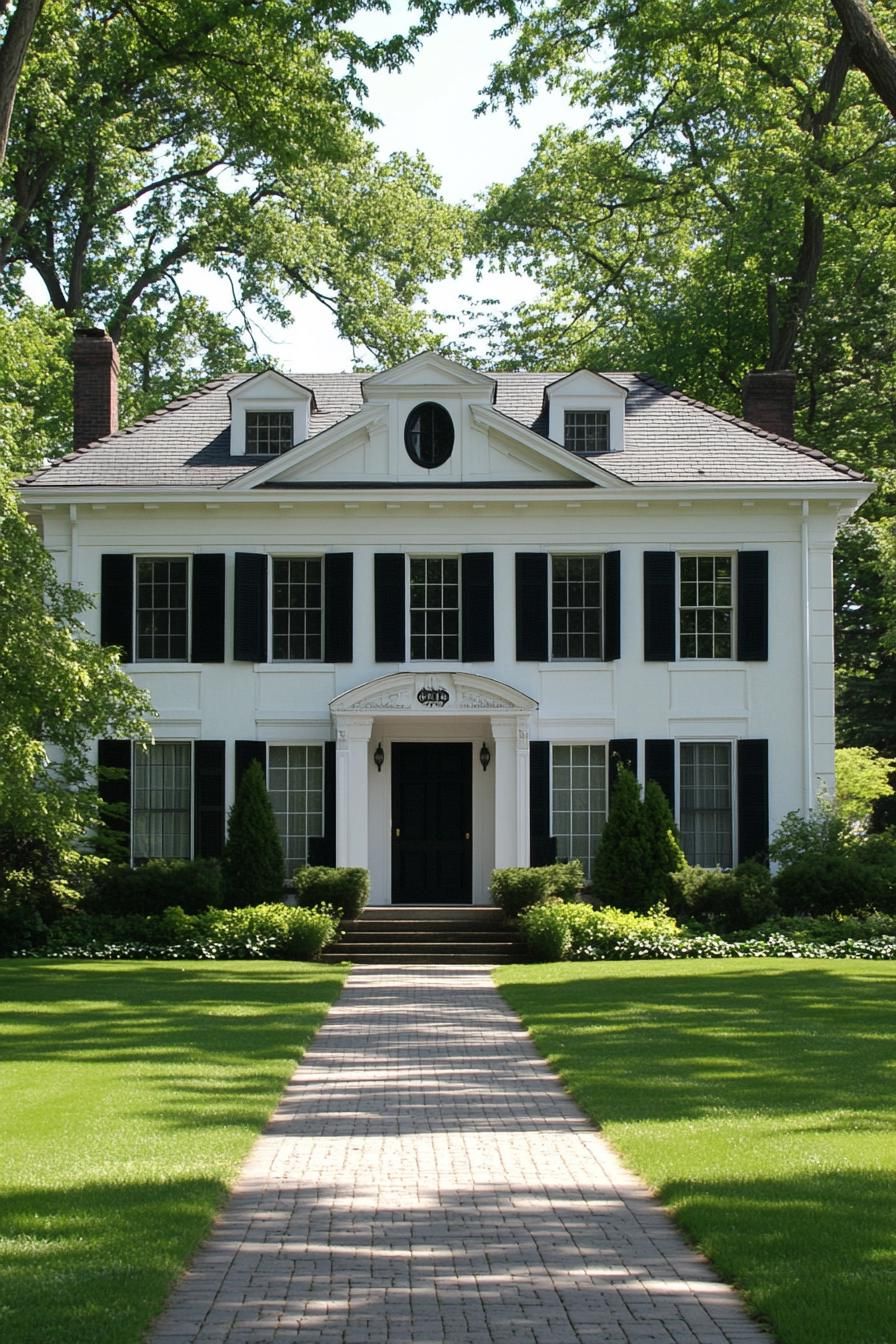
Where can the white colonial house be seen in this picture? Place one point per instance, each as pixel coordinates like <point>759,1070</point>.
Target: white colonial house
<point>437,604</point>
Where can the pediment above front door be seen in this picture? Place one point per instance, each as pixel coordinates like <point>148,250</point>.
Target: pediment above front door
<point>436,694</point>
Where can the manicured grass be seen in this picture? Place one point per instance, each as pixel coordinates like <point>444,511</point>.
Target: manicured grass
<point>129,1093</point>
<point>759,1099</point>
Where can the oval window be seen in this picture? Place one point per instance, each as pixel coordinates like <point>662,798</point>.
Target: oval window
<point>429,434</point>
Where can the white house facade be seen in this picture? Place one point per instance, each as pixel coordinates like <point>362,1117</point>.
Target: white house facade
<point>438,605</point>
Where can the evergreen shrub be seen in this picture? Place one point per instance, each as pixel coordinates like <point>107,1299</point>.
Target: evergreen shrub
<point>639,848</point>
<point>252,869</point>
<point>150,888</point>
<point>724,900</point>
<point>513,889</point>
<point>345,889</point>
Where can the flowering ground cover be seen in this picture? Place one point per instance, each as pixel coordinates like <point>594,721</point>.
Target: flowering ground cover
<point>129,1094</point>
<point>758,1099</point>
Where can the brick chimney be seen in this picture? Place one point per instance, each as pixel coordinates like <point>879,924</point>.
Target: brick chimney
<point>96,385</point>
<point>769,401</point>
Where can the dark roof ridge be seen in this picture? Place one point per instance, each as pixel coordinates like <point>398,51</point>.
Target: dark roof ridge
<point>761,433</point>
<point>150,419</point>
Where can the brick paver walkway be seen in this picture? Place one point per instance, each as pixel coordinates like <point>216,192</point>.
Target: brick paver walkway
<point>426,1179</point>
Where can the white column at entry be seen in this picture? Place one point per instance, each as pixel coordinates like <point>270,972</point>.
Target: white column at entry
<point>352,773</point>
<point>511,767</point>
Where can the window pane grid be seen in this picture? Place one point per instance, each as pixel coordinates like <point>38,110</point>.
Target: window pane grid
<point>297,609</point>
<point>578,800</point>
<point>587,432</point>
<point>268,433</point>
<point>576,608</point>
<point>435,607</point>
<point>162,609</point>
<point>705,793</point>
<point>705,606</point>
<point>163,801</point>
<point>296,788</point>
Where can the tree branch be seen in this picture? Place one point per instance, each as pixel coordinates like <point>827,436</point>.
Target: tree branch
<point>869,49</point>
<point>12,58</point>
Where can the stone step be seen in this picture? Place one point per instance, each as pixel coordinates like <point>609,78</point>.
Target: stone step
<point>461,958</point>
<point>415,934</point>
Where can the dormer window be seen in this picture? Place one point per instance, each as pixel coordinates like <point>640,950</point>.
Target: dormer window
<point>269,433</point>
<point>587,432</point>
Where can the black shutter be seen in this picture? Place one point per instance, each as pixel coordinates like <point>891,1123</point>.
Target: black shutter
<point>208,799</point>
<point>117,603</point>
<point>338,607</point>
<point>752,606</point>
<point>659,764</point>
<point>245,754</point>
<point>388,608</point>
<point>659,606</point>
<point>612,605</point>
<point>322,848</point>
<point>250,608</point>
<point>115,754</point>
<point>623,751</point>
<point>542,845</point>
<point>478,607</point>
<point>207,615</point>
<point>752,799</point>
<point>531,607</point>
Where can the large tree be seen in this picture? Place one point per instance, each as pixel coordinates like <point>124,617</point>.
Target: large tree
<point>227,134</point>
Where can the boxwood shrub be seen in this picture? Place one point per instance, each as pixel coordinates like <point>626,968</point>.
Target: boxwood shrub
<point>191,884</point>
<point>516,888</point>
<point>345,889</point>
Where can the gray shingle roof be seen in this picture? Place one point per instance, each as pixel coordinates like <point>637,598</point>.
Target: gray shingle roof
<point>669,438</point>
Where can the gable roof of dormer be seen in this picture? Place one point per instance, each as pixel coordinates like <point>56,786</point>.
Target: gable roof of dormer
<point>285,386</point>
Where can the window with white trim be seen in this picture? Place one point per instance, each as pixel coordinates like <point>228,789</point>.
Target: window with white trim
<point>435,606</point>
<point>162,608</point>
<point>578,799</point>
<point>576,606</point>
<point>706,803</point>
<point>296,789</point>
<point>269,433</point>
<point>706,606</point>
<point>297,609</point>
<point>586,432</point>
<point>162,802</point>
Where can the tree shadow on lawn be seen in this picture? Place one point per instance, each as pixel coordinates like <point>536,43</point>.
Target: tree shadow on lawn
<point>683,1041</point>
<point>95,1262</point>
<point>817,1253</point>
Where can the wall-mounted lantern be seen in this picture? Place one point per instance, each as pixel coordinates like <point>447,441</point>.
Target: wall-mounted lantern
<point>485,756</point>
<point>379,756</point>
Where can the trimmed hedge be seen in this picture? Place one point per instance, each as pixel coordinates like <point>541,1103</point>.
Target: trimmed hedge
<point>150,888</point>
<point>345,889</point>
<point>555,931</point>
<point>248,932</point>
<point>724,899</point>
<point>514,889</point>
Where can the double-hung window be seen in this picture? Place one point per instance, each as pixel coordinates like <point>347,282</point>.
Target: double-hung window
<point>706,606</point>
<point>297,609</point>
<point>269,433</point>
<point>296,788</point>
<point>162,608</point>
<point>576,606</point>
<point>706,797</point>
<point>435,607</point>
<point>587,432</point>
<point>162,801</point>
<point>578,799</point>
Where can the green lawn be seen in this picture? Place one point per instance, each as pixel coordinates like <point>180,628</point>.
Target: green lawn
<point>129,1093</point>
<point>759,1099</point>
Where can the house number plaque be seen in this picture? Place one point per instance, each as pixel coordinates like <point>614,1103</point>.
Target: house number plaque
<point>433,697</point>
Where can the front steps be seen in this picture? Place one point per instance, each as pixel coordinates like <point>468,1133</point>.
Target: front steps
<point>409,934</point>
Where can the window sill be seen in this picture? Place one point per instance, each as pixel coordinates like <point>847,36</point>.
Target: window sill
<point>576,664</point>
<point>293,667</point>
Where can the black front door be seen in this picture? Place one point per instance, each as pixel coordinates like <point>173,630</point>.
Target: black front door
<point>431,823</point>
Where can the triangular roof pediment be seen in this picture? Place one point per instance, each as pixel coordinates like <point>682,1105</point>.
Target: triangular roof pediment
<point>429,369</point>
<point>584,382</point>
<point>270,383</point>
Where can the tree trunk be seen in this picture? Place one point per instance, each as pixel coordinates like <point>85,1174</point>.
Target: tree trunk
<point>12,57</point>
<point>870,50</point>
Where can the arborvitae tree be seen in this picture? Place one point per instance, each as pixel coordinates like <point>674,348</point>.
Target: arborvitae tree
<point>623,859</point>
<point>253,868</point>
<point>666,852</point>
